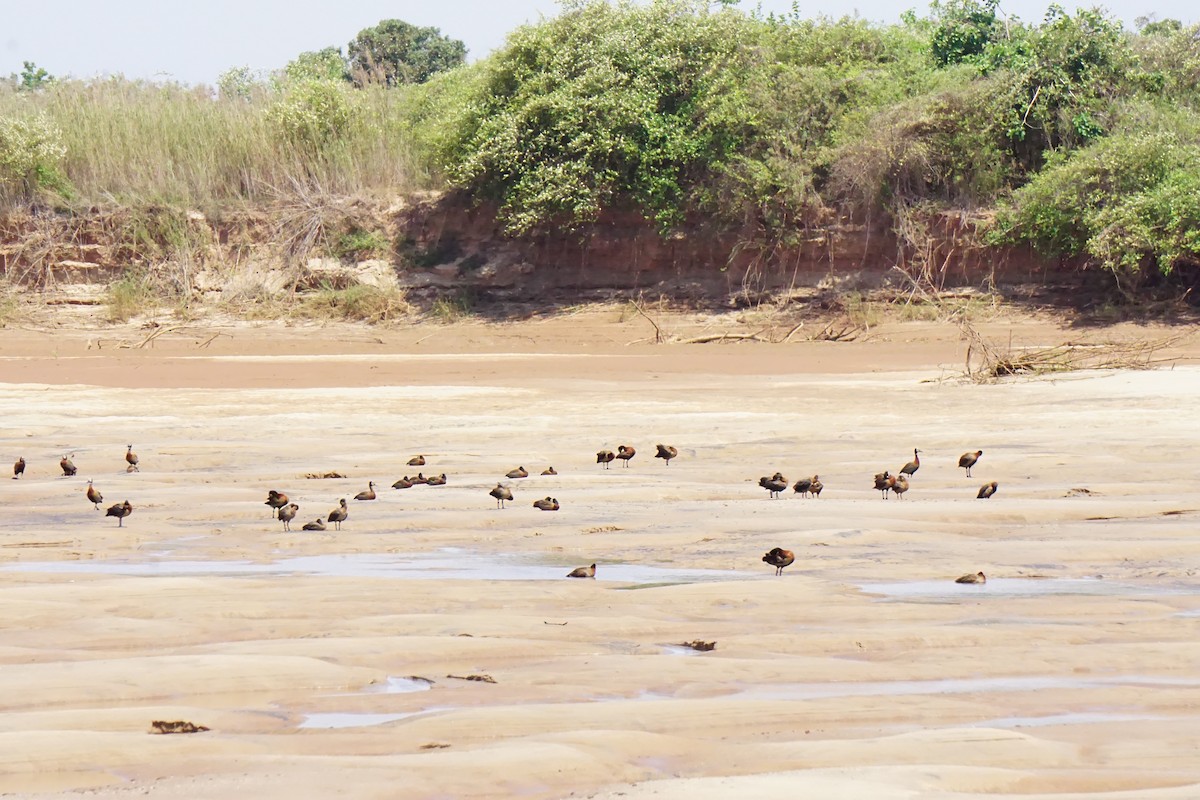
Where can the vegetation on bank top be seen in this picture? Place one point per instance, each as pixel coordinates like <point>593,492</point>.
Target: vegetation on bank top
<point>1071,133</point>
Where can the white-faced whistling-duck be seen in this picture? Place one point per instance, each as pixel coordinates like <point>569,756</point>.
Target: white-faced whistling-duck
<point>519,472</point>
<point>421,479</point>
<point>583,572</point>
<point>774,484</point>
<point>914,465</point>
<point>883,482</point>
<point>403,483</point>
<point>817,486</point>
<point>120,511</point>
<point>68,466</point>
<point>339,514</point>
<point>900,486</point>
<point>549,471</point>
<point>276,500</point>
<point>605,457</point>
<point>974,577</point>
<point>802,486</point>
<point>131,459</point>
<point>436,480</point>
<point>417,461</point>
<point>287,514</point>
<point>967,460</point>
<point>546,504</point>
<point>368,494</point>
<point>501,493</point>
<point>94,496</point>
<point>987,490</point>
<point>317,524</point>
<point>19,468</point>
<point>625,452</point>
<point>666,452</point>
<point>779,558</point>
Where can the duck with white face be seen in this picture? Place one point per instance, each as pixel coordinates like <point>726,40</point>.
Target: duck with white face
<point>779,558</point>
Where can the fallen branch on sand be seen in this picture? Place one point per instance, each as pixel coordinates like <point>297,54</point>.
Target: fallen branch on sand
<point>987,361</point>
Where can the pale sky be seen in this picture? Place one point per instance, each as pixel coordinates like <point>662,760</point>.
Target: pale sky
<point>194,41</point>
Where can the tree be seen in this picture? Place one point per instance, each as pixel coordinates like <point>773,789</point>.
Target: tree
<point>396,52</point>
<point>964,30</point>
<point>32,77</point>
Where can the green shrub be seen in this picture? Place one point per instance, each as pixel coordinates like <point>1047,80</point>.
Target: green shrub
<point>358,244</point>
<point>314,114</point>
<point>31,155</point>
<point>1129,201</point>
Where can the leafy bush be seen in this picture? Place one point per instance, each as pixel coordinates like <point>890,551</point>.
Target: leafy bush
<point>31,154</point>
<point>327,64</point>
<point>314,114</point>
<point>1129,201</point>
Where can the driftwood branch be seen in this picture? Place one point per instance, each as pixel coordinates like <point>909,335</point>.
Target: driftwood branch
<point>987,361</point>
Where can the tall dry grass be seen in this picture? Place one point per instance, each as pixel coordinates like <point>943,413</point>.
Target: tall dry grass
<point>136,142</point>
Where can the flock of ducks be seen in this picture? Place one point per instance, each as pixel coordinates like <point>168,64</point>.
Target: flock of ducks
<point>67,465</point>
<point>285,511</point>
<point>885,483</point>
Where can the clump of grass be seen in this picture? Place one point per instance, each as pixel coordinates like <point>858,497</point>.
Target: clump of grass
<point>358,245</point>
<point>10,306</point>
<point>361,303</point>
<point>130,296</point>
<point>452,308</point>
<point>861,311</point>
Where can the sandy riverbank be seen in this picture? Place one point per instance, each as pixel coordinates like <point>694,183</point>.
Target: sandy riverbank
<point>863,671</point>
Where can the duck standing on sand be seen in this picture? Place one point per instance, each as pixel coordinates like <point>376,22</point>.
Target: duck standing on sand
<point>132,460</point>
<point>977,577</point>
<point>276,500</point>
<point>120,511</point>
<point>605,457</point>
<point>625,452</point>
<point>94,496</point>
<point>911,467</point>
<point>502,494</point>
<point>900,486</point>
<point>883,482</point>
<point>666,452</point>
<point>967,460</point>
<point>19,467</point>
<point>68,466</point>
<point>583,572</point>
<point>802,486</point>
<point>779,558</point>
<point>817,486</point>
<point>287,514</point>
<point>774,484</point>
<point>339,514</point>
<point>987,490</point>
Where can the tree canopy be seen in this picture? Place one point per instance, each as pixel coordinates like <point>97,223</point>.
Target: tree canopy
<point>397,52</point>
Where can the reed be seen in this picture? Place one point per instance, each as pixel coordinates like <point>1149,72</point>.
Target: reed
<point>140,142</point>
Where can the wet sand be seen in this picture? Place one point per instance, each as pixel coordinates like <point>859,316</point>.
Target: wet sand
<point>321,661</point>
